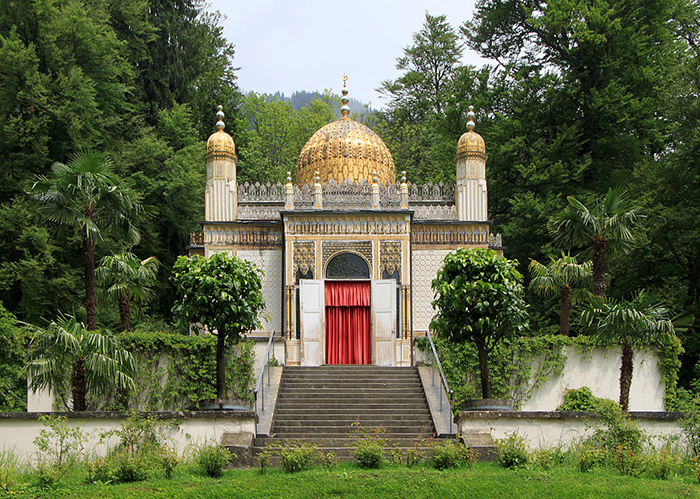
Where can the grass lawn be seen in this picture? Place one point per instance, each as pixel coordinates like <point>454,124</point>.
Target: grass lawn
<point>348,481</point>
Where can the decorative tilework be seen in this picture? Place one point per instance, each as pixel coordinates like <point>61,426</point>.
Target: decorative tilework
<point>270,262</point>
<point>304,257</point>
<point>426,264</point>
<point>390,256</point>
<point>330,248</point>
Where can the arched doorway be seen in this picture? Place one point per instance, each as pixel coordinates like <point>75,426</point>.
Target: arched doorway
<point>348,310</point>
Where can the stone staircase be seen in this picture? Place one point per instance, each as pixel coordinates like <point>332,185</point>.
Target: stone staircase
<point>318,405</point>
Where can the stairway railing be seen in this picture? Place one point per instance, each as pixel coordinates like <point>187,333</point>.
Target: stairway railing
<point>436,362</point>
<point>260,386</point>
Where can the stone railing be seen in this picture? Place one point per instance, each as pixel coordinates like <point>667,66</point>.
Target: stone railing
<point>260,193</point>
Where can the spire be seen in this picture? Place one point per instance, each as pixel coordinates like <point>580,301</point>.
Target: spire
<point>220,125</point>
<point>345,109</point>
<point>471,116</point>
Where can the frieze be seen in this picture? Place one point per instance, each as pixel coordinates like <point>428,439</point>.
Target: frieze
<point>259,212</point>
<point>449,235</point>
<point>312,225</point>
<point>242,235</point>
<point>439,212</point>
<point>390,256</point>
<point>330,248</point>
<point>304,257</point>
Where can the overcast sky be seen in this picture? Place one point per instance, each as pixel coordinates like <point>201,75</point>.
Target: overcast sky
<point>291,45</point>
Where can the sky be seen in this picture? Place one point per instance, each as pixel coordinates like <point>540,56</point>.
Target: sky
<point>286,45</point>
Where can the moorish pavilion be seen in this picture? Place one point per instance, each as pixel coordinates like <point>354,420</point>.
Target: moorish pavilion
<point>348,252</point>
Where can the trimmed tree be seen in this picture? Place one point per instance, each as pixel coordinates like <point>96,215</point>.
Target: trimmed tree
<point>69,359</point>
<point>604,228</point>
<point>559,279</point>
<point>479,298</point>
<point>222,293</point>
<point>640,322</point>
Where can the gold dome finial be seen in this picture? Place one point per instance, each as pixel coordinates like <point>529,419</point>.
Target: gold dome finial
<point>471,116</point>
<point>345,109</point>
<point>220,142</point>
<point>471,143</point>
<point>220,125</point>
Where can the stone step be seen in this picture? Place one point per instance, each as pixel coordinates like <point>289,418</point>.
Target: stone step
<point>296,431</point>
<point>365,385</point>
<point>350,418</point>
<point>284,392</point>
<point>339,442</point>
<point>311,404</point>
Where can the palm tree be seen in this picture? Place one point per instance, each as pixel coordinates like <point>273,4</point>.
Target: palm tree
<point>605,227</point>
<point>87,195</point>
<point>127,280</point>
<point>558,279</point>
<point>68,358</point>
<point>636,323</point>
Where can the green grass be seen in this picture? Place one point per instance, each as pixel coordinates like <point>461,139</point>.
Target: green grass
<point>347,481</point>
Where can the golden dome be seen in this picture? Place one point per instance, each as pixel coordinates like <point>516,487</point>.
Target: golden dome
<point>220,142</point>
<point>345,149</point>
<point>471,143</point>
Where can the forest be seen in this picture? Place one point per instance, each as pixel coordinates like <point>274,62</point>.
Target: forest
<point>582,96</point>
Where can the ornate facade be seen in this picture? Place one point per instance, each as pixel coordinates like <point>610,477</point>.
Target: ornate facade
<point>346,220</point>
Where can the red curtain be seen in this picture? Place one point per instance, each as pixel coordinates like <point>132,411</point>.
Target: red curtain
<point>348,322</point>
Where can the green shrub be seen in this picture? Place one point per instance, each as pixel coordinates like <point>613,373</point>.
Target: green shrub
<point>297,456</point>
<point>582,399</point>
<point>628,461</point>
<point>212,459</point>
<point>369,446</point>
<point>414,456</point>
<point>329,460</point>
<point>619,431</point>
<point>547,458</point>
<point>589,456</point>
<point>169,460</point>
<point>59,447</point>
<point>690,425</point>
<point>661,463</point>
<point>99,471</point>
<point>449,453</point>
<point>129,468</point>
<point>512,451</point>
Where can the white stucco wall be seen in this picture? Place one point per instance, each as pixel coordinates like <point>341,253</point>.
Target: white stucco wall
<point>18,434</point>
<point>426,264</point>
<point>270,262</point>
<point>599,370</point>
<point>541,431</point>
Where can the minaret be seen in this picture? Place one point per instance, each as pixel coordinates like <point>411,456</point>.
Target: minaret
<point>221,194</point>
<point>471,197</point>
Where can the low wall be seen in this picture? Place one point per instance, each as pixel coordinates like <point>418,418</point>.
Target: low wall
<point>554,429</point>
<point>18,430</point>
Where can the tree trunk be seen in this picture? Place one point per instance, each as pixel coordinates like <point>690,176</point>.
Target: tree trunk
<point>600,249</point>
<point>125,312</point>
<point>484,371</point>
<point>565,310</point>
<point>626,375</point>
<point>89,262</point>
<point>221,366</point>
<point>79,386</point>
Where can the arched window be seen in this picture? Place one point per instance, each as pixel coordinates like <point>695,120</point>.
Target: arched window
<point>347,266</point>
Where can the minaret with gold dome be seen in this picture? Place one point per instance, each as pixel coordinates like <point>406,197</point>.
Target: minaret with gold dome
<point>471,196</point>
<point>221,194</point>
<point>345,150</point>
